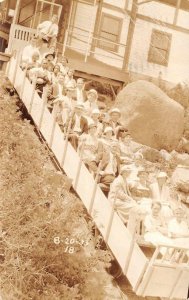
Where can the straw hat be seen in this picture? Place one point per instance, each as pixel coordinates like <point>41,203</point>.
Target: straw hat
<point>162,175</point>
<point>107,129</point>
<point>95,111</point>
<point>126,168</point>
<point>115,110</point>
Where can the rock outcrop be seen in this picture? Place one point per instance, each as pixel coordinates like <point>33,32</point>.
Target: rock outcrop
<point>152,118</point>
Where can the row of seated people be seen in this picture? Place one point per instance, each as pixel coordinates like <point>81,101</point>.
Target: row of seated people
<point>100,139</point>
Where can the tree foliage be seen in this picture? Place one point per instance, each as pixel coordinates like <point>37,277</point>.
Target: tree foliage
<point>36,207</point>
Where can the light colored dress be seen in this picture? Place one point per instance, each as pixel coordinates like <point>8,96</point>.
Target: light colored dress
<point>162,196</point>
<point>152,233</point>
<point>120,196</point>
<point>179,228</point>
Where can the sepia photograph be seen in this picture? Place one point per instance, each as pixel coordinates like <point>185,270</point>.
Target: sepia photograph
<point>94,149</point>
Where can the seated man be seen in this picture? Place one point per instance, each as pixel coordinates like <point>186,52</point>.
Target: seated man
<point>34,63</point>
<point>76,125</point>
<point>80,95</point>
<point>114,117</point>
<point>42,76</point>
<point>90,148</point>
<point>120,195</point>
<point>28,52</point>
<point>47,31</point>
<point>110,165</point>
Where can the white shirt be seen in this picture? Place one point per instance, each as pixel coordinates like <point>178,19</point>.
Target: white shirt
<point>28,52</point>
<point>178,228</point>
<point>111,166</point>
<point>77,127</point>
<point>48,28</point>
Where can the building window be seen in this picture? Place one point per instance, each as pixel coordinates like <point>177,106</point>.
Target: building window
<point>159,47</point>
<point>110,29</point>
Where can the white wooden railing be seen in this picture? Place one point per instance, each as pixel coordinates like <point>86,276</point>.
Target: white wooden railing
<point>130,257</point>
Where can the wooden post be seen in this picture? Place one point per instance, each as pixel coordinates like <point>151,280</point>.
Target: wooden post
<point>97,25</point>
<point>33,94</point>
<point>67,30</point>
<point>79,168</point>
<point>44,98</point>
<point>24,81</point>
<point>16,12</point>
<point>66,142</point>
<point>94,189</point>
<point>110,220</point>
<point>176,12</point>
<point>129,253</point>
<point>18,56</point>
<point>131,29</point>
<point>52,132</point>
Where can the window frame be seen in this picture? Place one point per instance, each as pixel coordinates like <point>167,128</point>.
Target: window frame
<point>109,48</point>
<point>169,35</point>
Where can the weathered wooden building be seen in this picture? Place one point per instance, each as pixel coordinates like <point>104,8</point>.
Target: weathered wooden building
<point>114,37</point>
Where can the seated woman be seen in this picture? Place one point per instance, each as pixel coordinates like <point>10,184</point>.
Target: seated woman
<point>141,193</point>
<point>55,74</point>
<point>120,194</point>
<point>63,63</point>
<point>178,229</point>
<point>90,148</point>
<point>156,231</point>
<point>91,102</point>
<point>62,105</point>
<point>94,118</point>
<point>69,81</point>
<point>34,63</point>
<point>161,192</point>
<point>108,138</point>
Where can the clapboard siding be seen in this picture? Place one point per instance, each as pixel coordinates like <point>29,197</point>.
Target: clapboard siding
<point>85,19</point>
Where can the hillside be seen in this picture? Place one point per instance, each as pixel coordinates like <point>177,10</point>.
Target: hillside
<point>47,250</point>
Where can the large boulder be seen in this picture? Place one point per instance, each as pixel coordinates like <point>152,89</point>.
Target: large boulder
<point>180,178</point>
<point>152,118</point>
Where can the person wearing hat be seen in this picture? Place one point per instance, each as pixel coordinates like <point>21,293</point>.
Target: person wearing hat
<point>78,124</point>
<point>110,165</point>
<point>161,192</point>
<point>47,31</point>
<point>62,104</point>
<point>114,116</point>
<point>63,63</point>
<point>80,95</point>
<point>34,63</point>
<point>120,195</point>
<point>108,137</point>
<point>156,231</point>
<point>69,81</point>
<point>42,75</point>
<point>91,102</point>
<point>94,118</point>
<point>90,148</point>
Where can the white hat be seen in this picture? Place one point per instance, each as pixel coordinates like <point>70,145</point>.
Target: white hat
<point>95,111</point>
<point>115,110</point>
<point>92,125</point>
<point>92,91</point>
<point>162,175</point>
<point>126,168</point>
<point>107,129</point>
<point>79,105</point>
